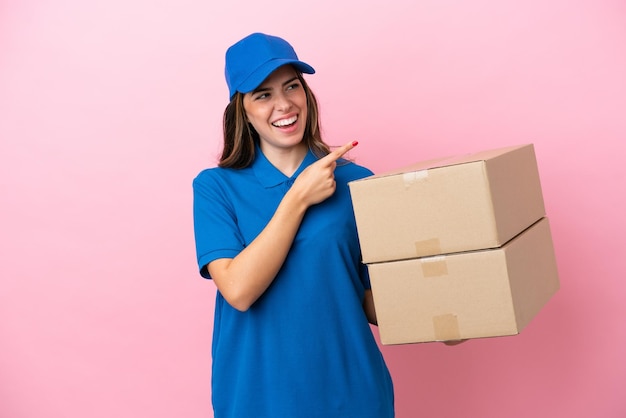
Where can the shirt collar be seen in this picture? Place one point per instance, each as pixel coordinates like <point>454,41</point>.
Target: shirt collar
<point>270,176</point>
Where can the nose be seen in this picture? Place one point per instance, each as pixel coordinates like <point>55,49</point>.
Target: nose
<point>282,102</point>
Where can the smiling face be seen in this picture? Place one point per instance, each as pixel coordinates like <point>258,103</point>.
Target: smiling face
<point>277,110</point>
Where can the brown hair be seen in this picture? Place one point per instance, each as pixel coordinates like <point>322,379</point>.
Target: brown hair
<point>240,137</point>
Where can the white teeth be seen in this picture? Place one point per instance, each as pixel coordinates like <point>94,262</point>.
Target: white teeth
<point>285,122</point>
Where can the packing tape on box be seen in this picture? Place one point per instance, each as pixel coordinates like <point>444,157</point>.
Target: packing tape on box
<point>413,176</point>
<point>434,266</point>
<point>446,327</point>
<point>428,246</point>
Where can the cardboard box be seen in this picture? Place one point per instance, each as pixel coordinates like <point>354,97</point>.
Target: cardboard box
<point>466,295</point>
<point>449,205</point>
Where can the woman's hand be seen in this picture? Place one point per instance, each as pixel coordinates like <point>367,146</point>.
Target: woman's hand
<point>317,182</point>
<point>453,342</point>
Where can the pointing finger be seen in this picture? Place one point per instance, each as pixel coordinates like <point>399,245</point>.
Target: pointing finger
<point>339,152</point>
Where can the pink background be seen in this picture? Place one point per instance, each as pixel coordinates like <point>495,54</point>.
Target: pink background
<point>108,109</point>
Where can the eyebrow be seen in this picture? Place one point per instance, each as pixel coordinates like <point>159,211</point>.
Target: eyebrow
<point>262,89</point>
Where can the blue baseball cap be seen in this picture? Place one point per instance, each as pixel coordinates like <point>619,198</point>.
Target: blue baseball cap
<point>254,58</point>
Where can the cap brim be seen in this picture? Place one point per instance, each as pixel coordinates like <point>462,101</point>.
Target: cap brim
<point>260,74</point>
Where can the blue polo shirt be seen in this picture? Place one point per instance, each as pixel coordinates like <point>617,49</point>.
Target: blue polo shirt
<point>304,348</point>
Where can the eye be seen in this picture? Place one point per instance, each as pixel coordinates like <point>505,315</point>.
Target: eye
<point>261,96</point>
<point>293,86</point>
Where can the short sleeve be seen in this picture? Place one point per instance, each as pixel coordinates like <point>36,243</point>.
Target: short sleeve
<point>215,222</point>
<point>358,172</point>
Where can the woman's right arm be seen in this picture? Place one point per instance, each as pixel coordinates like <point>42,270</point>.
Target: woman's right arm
<point>243,279</point>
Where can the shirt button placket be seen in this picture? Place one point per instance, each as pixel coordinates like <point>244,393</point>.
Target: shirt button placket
<point>287,185</point>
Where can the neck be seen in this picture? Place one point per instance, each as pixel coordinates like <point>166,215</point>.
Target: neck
<point>286,160</point>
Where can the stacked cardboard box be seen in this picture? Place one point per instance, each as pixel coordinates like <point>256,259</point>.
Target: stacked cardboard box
<point>457,248</point>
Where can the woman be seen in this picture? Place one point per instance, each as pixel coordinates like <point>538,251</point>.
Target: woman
<point>275,231</point>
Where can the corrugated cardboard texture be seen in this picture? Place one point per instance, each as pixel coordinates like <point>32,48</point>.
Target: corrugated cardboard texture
<point>448,205</point>
<point>473,294</point>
